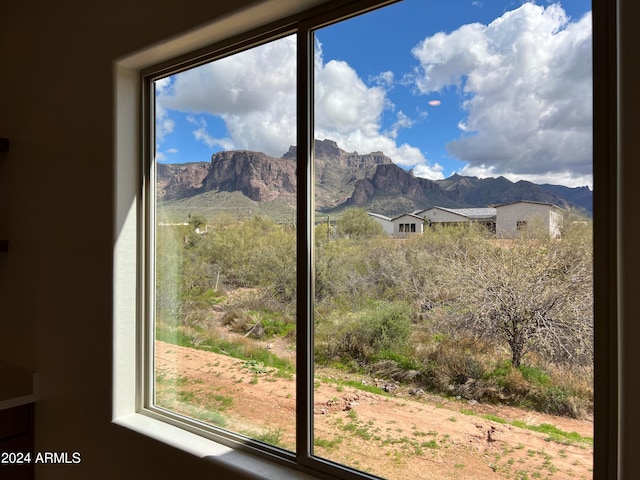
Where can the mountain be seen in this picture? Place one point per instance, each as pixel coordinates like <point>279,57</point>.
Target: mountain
<point>179,180</point>
<point>337,172</point>
<point>371,181</point>
<point>580,197</point>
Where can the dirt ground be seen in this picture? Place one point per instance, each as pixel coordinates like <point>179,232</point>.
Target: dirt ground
<point>405,434</point>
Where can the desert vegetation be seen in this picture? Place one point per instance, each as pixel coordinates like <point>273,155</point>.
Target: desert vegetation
<point>453,312</point>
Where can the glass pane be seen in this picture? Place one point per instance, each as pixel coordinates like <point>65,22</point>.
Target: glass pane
<point>225,243</point>
<point>453,253</point>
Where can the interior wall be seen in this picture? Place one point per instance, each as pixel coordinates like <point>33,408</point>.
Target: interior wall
<point>56,207</point>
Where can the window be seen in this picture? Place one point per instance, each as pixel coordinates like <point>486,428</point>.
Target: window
<point>407,227</point>
<point>338,318</point>
<point>225,256</point>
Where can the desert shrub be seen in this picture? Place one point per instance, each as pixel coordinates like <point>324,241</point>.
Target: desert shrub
<point>356,223</point>
<point>259,323</point>
<point>237,321</point>
<point>453,363</point>
<point>424,309</point>
<point>459,369</point>
<point>513,383</point>
<point>535,375</point>
<point>275,325</point>
<point>403,361</point>
<point>563,392</point>
<point>382,326</point>
<point>186,287</point>
<point>197,220</point>
<point>254,253</point>
<point>343,274</point>
<point>555,399</point>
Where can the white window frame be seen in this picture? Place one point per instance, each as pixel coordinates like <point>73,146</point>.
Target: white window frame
<point>131,352</point>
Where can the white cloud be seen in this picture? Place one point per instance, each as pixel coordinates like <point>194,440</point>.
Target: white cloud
<point>162,83</point>
<point>384,79</point>
<point>402,121</point>
<point>527,83</point>
<point>164,124</point>
<point>253,92</point>
<point>349,112</point>
<point>431,172</point>
<point>201,134</point>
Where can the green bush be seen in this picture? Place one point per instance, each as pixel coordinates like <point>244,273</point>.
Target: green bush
<point>404,362</point>
<point>356,223</point>
<point>555,399</point>
<point>275,325</point>
<point>535,376</point>
<point>381,326</point>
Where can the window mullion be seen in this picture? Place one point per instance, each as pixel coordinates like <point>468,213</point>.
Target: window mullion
<point>304,239</point>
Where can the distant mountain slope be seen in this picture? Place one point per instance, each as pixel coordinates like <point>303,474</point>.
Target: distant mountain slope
<point>179,180</point>
<point>337,171</point>
<point>371,181</point>
<point>581,197</point>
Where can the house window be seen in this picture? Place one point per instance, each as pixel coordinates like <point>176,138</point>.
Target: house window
<point>521,225</point>
<point>320,349</point>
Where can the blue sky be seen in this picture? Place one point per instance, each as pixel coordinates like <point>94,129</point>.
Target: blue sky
<point>482,88</point>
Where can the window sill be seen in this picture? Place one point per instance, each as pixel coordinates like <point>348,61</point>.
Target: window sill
<point>244,463</point>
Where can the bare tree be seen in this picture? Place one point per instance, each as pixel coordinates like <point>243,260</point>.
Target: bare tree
<point>532,294</point>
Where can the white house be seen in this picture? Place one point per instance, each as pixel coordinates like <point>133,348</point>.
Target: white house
<point>407,223</point>
<point>454,216</point>
<point>386,222</point>
<point>512,218</point>
<point>504,220</point>
<point>401,225</point>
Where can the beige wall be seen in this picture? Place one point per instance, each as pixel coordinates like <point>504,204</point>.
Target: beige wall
<point>407,220</point>
<point>437,215</point>
<point>56,207</point>
<point>537,215</point>
<point>386,225</point>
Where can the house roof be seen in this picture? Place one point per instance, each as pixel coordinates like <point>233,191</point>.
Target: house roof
<point>378,215</point>
<point>391,219</point>
<point>407,215</point>
<point>471,213</point>
<point>552,205</point>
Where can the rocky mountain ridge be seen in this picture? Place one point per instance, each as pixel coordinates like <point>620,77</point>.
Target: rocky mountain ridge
<point>344,179</point>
